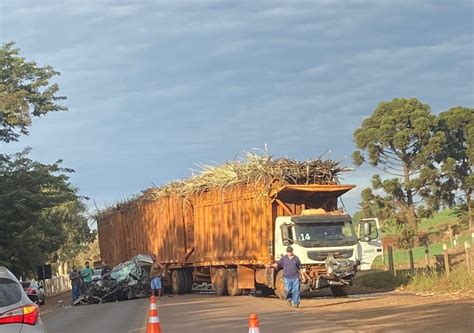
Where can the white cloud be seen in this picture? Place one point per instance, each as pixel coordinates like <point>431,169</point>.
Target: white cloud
<point>209,79</point>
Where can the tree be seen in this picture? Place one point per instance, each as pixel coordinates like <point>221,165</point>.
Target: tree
<point>40,212</point>
<point>374,205</point>
<point>76,233</point>
<point>457,156</point>
<point>400,139</point>
<point>25,92</point>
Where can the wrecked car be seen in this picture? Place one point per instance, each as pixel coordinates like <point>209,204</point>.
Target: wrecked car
<point>127,280</point>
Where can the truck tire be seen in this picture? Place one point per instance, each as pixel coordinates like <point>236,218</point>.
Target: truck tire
<point>338,291</point>
<point>245,292</point>
<point>232,283</point>
<point>280,290</point>
<point>188,281</point>
<point>220,282</point>
<point>177,282</point>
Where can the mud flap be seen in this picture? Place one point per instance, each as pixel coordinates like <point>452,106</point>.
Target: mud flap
<point>270,277</point>
<point>245,277</point>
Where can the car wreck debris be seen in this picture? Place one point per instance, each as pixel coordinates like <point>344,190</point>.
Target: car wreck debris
<point>127,280</point>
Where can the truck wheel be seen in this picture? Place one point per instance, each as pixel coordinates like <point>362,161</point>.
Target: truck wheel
<point>245,292</point>
<point>280,285</point>
<point>188,281</point>
<point>177,282</point>
<point>220,282</point>
<point>338,291</point>
<point>232,283</point>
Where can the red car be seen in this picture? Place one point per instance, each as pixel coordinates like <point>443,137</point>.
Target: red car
<point>34,291</point>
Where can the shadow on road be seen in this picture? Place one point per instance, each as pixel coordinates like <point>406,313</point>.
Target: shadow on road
<point>230,314</point>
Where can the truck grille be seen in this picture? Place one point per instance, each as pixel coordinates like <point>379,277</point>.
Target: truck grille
<point>321,255</point>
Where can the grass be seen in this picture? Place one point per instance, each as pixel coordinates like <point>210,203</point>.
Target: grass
<point>424,281</point>
<point>400,257</point>
<point>443,218</point>
<point>382,280</point>
<point>440,221</point>
<point>431,281</point>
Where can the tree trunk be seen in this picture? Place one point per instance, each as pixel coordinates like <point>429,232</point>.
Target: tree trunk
<point>469,210</point>
<point>410,206</point>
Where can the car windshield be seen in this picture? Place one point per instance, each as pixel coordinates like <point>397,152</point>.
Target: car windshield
<point>10,292</point>
<point>123,270</point>
<point>325,234</point>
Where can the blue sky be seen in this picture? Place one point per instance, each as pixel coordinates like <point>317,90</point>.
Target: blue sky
<point>154,87</point>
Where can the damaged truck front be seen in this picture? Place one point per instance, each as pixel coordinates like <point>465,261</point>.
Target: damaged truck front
<point>327,245</point>
<point>127,280</point>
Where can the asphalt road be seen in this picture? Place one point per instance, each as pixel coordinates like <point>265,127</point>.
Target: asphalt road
<point>114,317</point>
<point>209,313</point>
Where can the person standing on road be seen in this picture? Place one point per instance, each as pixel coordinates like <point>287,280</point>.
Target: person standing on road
<point>291,265</point>
<point>105,268</point>
<point>76,282</point>
<point>155,276</point>
<point>86,275</point>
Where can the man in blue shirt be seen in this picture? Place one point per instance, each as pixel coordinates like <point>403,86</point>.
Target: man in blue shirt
<point>291,265</point>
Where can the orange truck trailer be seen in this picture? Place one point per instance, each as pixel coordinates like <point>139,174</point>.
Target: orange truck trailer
<point>226,237</point>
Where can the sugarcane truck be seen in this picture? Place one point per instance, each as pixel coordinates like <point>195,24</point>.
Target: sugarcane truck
<point>227,237</point>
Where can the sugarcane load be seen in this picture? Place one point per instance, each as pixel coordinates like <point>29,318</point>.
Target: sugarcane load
<point>227,225</point>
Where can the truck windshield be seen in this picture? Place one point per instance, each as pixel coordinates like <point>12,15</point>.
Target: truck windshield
<point>325,234</point>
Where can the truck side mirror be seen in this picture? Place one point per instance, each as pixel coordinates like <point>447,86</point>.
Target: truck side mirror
<point>367,227</point>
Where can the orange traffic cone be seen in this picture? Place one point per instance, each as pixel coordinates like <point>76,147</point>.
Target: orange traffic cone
<point>153,318</point>
<point>254,327</point>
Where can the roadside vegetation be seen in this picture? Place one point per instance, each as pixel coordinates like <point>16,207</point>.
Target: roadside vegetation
<point>43,218</point>
<point>459,281</point>
<point>423,162</point>
<point>425,281</point>
<point>400,256</point>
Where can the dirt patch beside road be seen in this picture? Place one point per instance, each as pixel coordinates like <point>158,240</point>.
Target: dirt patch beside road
<point>396,311</point>
<point>55,302</point>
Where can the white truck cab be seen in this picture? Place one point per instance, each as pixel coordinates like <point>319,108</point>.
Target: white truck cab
<point>323,240</point>
<point>370,248</point>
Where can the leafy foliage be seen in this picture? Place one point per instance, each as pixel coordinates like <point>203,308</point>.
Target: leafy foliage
<point>401,139</point>
<point>25,92</point>
<point>40,213</point>
<point>457,157</point>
